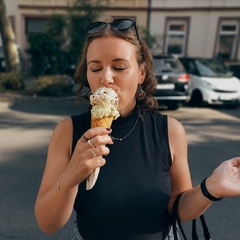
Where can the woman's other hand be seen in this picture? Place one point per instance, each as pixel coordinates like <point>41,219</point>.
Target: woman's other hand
<point>225,180</point>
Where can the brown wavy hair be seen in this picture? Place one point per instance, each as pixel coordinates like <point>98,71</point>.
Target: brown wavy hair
<point>143,57</point>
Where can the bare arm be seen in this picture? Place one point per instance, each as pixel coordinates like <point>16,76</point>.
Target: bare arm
<point>224,181</point>
<point>192,202</point>
<point>52,209</point>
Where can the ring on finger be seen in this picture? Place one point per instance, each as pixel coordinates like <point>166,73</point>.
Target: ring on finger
<point>85,138</point>
<point>90,144</point>
<point>93,153</point>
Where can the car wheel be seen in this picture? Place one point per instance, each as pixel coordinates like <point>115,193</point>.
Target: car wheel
<point>173,106</point>
<point>196,99</point>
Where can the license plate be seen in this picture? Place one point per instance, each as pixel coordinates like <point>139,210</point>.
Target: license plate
<point>165,86</point>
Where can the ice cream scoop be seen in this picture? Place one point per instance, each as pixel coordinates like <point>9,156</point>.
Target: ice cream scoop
<point>104,102</point>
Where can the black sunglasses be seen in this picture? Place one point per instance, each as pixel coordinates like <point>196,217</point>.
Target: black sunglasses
<point>118,24</point>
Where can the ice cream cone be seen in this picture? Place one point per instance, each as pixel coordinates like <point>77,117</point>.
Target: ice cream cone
<point>104,104</point>
<point>92,178</point>
<point>102,122</point>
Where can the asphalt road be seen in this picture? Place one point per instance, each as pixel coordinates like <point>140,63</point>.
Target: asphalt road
<point>25,130</point>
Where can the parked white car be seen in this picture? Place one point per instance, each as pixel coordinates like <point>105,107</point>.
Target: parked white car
<point>211,82</point>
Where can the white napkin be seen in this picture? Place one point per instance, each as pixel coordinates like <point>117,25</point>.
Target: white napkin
<point>92,178</point>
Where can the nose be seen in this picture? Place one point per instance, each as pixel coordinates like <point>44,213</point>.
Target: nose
<point>107,77</point>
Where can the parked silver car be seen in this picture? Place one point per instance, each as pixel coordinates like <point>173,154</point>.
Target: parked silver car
<point>211,82</point>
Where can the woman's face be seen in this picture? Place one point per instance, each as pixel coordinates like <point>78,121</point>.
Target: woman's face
<point>112,63</point>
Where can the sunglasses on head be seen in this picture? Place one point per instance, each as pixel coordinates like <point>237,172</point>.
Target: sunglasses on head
<point>118,25</point>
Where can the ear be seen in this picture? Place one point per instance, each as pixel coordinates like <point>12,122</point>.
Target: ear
<point>142,74</point>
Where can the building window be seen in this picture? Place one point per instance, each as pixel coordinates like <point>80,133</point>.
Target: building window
<point>227,39</point>
<point>36,25</point>
<point>176,32</point>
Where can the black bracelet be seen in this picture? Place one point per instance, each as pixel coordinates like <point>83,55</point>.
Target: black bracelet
<point>206,192</point>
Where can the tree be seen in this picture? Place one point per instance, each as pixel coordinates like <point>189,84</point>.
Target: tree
<point>80,15</point>
<point>57,49</point>
<point>10,50</point>
<point>47,49</point>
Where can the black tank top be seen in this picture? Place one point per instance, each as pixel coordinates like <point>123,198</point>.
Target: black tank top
<point>129,200</point>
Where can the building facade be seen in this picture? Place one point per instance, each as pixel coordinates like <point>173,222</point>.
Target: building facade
<point>202,28</point>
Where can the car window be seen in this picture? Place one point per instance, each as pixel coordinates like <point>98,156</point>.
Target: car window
<point>212,68</point>
<point>165,65</point>
<point>235,69</point>
<point>190,66</point>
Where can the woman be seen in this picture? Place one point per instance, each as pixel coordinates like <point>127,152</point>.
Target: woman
<point>143,157</point>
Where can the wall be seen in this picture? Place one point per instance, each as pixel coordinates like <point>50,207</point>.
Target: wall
<point>203,15</point>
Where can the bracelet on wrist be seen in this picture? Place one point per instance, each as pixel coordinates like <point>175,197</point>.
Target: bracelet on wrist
<point>59,190</point>
<point>206,192</point>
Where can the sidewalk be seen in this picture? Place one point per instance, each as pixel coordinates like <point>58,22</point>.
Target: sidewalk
<point>13,96</point>
<point>26,126</point>
<point>65,106</point>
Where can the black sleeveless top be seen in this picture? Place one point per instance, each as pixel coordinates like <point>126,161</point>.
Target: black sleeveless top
<point>129,200</point>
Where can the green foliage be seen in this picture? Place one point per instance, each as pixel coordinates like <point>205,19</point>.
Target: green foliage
<point>46,54</point>
<point>11,81</point>
<point>55,28</point>
<point>57,49</point>
<point>80,16</point>
<point>51,86</point>
<point>149,39</point>
<point>46,50</point>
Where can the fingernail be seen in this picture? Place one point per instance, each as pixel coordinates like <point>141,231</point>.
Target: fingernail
<point>108,129</point>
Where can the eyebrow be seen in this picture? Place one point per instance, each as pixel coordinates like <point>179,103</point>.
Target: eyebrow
<point>114,60</point>
<point>93,61</point>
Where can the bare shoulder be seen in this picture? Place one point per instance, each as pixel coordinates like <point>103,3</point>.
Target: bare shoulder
<point>175,127</point>
<point>62,134</point>
<point>64,125</point>
<point>177,138</point>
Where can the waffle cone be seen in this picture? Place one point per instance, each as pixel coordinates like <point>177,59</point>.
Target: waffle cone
<point>102,122</point>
